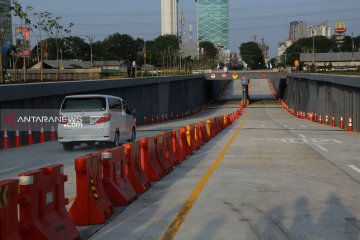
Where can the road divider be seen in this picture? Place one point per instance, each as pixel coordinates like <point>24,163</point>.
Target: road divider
<point>104,180</point>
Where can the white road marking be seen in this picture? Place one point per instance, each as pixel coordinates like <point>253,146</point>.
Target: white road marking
<point>354,168</point>
<point>291,128</point>
<point>9,169</point>
<point>302,136</point>
<point>321,147</point>
<point>303,126</point>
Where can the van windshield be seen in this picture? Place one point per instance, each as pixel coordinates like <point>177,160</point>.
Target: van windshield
<point>91,104</point>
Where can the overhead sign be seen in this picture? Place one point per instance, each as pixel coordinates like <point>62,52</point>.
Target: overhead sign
<point>235,76</point>
<point>212,75</point>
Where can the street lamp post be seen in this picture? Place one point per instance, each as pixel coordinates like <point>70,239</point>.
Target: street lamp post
<point>313,45</point>
<point>90,38</point>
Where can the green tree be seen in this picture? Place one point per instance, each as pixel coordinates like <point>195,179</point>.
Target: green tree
<point>305,45</point>
<point>209,50</point>
<point>119,47</point>
<point>166,49</point>
<point>252,55</point>
<point>75,48</point>
<point>56,31</point>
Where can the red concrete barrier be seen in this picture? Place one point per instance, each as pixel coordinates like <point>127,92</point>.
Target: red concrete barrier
<point>134,170</point>
<point>91,205</point>
<point>42,205</point>
<point>161,154</point>
<point>181,155</point>
<point>116,184</point>
<point>168,146</point>
<point>9,226</point>
<point>150,166</point>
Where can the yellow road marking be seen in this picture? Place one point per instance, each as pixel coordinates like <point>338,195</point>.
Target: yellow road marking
<point>173,229</point>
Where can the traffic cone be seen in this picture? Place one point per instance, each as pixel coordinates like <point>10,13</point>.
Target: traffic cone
<point>17,139</point>
<point>157,118</point>
<point>177,115</point>
<point>342,125</point>
<point>166,117</point>
<point>152,119</point>
<point>327,120</point>
<point>5,139</point>
<point>52,133</point>
<point>333,121</point>
<point>42,134</point>
<point>30,136</point>
<point>320,119</point>
<point>144,122</point>
<point>162,118</point>
<point>350,126</point>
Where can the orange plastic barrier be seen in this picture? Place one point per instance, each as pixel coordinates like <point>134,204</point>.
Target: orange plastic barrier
<point>190,137</point>
<point>169,152</point>
<point>161,154</point>
<point>184,145</point>
<point>197,135</point>
<point>42,205</point>
<point>9,228</point>
<point>209,128</point>
<point>134,170</point>
<point>150,166</point>
<point>91,205</point>
<point>116,184</point>
<point>203,133</point>
<point>181,155</point>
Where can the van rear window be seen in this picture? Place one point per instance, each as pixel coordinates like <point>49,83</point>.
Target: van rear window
<point>92,104</point>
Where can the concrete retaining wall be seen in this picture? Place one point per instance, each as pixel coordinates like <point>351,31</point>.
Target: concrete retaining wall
<point>322,94</point>
<point>149,96</point>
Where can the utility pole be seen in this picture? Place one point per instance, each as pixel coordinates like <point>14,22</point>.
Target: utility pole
<point>353,46</point>
<point>90,38</point>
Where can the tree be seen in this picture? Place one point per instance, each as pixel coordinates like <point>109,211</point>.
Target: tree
<point>252,55</point>
<point>166,47</point>
<point>75,48</point>
<point>56,31</point>
<point>119,47</point>
<point>321,45</point>
<point>209,50</point>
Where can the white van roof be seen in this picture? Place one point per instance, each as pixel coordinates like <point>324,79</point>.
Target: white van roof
<point>92,95</point>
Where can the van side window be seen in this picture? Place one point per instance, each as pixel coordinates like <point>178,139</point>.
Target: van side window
<point>124,106</point>
<point>114,104</point>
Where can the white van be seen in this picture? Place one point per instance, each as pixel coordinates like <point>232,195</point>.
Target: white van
<point>95,118</point>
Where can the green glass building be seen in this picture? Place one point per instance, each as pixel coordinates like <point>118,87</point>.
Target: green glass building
<point>213,22</point>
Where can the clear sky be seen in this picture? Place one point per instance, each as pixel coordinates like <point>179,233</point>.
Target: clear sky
<point>268,19</point>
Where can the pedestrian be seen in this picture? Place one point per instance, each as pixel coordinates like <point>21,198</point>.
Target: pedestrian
<point>133,69</point>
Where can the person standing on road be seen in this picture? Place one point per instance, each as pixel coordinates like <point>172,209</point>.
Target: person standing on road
<point>133,69</point>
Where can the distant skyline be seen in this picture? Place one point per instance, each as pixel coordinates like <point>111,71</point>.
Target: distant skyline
<point>142,18</point>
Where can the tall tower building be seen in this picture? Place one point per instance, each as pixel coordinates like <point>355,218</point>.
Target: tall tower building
<point>6,18</point>
<point>168,17</point>
<point>213,22</point>
<point>298,29</point>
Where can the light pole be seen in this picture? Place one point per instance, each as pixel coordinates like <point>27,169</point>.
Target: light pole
<point>313,45</point>
<point>90,38</point>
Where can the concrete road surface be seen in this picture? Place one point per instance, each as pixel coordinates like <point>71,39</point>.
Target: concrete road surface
<point>268,176</point>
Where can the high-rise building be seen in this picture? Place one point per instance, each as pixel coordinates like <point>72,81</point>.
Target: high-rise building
<point>169,17</point>
<point>213,22</point>
<point>5,17</point>
<point>322,29</point>
<point>298,29</point>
